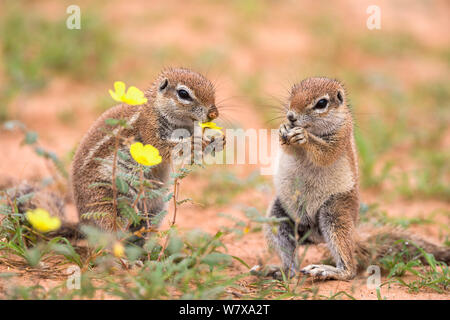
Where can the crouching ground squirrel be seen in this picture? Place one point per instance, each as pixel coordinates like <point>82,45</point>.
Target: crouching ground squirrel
<point>317,191</point>
<point>176,100</point>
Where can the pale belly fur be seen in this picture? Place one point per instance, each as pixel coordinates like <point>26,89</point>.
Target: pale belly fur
<point>300,183</point>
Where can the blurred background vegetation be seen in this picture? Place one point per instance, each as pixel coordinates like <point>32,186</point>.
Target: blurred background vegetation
<point>397,77</point>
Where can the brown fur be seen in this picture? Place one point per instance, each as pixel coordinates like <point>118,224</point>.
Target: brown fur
<point>204,89</point>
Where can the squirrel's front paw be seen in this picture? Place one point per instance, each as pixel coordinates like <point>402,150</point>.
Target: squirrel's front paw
<point>214,144</point>
<point>283,132</point>
<point>297,135</point>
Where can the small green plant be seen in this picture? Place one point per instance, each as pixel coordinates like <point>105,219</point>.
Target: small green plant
<point>20,239</point>
<point>435,276</point>
<point>171,265</point>
<point>192,267</point>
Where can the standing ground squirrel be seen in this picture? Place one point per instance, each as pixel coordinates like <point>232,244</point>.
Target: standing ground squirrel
<point>317,190</point>
<point>177,99</point>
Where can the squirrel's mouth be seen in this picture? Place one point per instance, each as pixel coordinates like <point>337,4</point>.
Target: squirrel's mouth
<point>203,118</point>
<point>196,119</point>
<point>299,124</point>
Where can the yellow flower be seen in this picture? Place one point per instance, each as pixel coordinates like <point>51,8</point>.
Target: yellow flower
<point>41,220</point>
<point>118,250</point>
<point>246,230</point>
<point>210,125</point>
<point>147,155</point>
<point>133,96</point>
<point>275,230</point>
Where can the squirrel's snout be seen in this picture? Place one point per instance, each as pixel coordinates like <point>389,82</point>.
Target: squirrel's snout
<point>213,112</point>
<point>291,116</point>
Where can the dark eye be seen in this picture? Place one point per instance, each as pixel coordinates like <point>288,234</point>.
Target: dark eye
<point>321,104</point>
<point>183,94</point>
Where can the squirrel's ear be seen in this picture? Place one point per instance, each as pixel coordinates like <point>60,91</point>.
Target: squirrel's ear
<point>340,96</point>
<point>163,85</point>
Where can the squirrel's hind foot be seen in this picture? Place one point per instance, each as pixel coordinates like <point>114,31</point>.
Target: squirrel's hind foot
<point>324,272</point>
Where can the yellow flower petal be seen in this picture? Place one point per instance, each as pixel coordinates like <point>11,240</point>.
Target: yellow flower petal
<point>133,96</point>
<point>119,91</point>
<point>119,87</point>
<point>118,250</point>
<point>210,125</point>
<point>41,220</point>
<point>146,155</point>
<point>114,95</point>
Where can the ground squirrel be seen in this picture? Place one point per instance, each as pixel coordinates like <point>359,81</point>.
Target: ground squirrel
<point>316,183</point>
<point>177,99</point>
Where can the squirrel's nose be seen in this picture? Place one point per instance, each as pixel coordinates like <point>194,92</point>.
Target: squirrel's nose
<point>213,112</point>
<point>291,116</point>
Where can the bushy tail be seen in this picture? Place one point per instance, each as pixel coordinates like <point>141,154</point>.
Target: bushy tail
<point>27,196</point>
<point>375,243</point>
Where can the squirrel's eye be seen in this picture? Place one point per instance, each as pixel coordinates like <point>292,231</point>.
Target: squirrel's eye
<point>183,94</point>
<point>321,104</point>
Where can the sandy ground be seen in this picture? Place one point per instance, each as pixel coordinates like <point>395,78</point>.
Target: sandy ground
<point>277,41</point>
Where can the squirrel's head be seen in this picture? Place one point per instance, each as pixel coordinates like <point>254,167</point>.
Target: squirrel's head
<point>318,104</point>
<point>184,96</point>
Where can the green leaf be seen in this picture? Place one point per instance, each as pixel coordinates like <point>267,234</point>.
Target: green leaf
<point>24,198</point>
<point>30,137</point>
<point>129,212</point>
<point>152,247</point>
<point>40,152</point>
<point>184,200</point>
<point>216,259</point>
<point>111,122</point>
<point>218,235</point>
<point>67,251</point>
<point>175,245</point>
<point>122,155</point>
<point>33,256</point>
<point>156,220</point>
<point>168,197</point>
<point>379,294</point>
<point>7,275</point>
<point>96,215</point>
<point>241,261</point>
<point>122,186</point>
<point>133,252</point>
